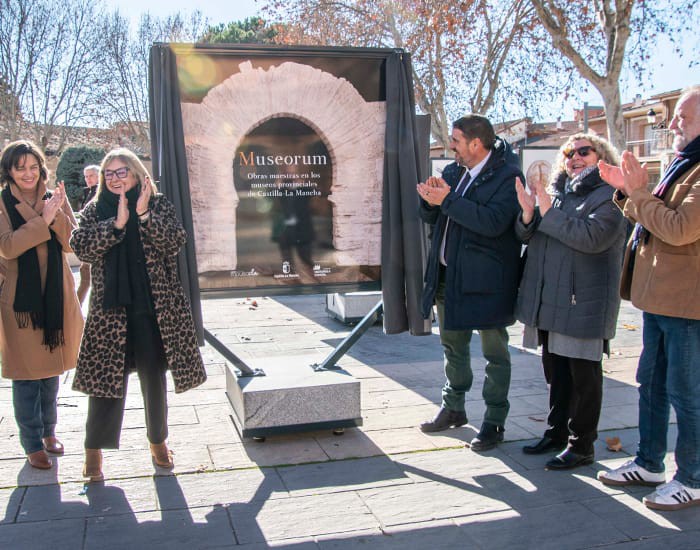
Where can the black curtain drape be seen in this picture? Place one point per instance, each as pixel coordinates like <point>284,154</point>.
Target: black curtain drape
<point>170,164</point>
<point>404,244</point>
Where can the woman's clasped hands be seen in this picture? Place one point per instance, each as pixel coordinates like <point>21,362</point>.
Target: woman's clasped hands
<point>145,192</point>
<point>537,194</point>
<point>54,203</point>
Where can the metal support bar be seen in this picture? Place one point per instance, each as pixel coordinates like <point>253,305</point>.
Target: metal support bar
<point>329,363</point>
<point>244,371</point>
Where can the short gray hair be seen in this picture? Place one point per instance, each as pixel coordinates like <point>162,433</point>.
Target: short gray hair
<point>691,91</point>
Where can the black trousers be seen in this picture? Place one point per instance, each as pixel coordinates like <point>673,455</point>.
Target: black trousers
<point>575,398</point>
<point>144,350</point>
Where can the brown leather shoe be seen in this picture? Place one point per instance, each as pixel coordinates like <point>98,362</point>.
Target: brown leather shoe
<point>53,445</point>
<point>40,460</point>
<point>162,456</point>
<point>93,465</point>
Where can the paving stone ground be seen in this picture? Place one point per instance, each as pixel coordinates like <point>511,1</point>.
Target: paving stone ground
<point>384,485</point>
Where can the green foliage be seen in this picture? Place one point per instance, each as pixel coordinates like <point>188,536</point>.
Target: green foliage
<point>252,30</point>
<point>70,170</point>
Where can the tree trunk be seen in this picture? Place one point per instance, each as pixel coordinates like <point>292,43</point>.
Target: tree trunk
<point>613,115</point>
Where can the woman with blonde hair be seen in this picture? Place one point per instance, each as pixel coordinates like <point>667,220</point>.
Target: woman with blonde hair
<point>568,297</point>
<point>138,318</point>
<point>41,323</point>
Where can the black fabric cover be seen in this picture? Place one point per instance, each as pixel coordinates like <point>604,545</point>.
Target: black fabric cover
<point>170,165</point>
<point>404,244</point>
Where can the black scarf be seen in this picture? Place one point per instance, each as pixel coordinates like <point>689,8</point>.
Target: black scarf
<point>125,275</point>
<point>43,309</point>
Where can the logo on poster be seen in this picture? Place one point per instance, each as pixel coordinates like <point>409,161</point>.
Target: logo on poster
<point>321,271</point>
<point>286,272</point>
<point>237,273</point>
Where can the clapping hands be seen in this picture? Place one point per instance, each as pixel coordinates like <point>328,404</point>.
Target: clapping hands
<point>527,201</point>
<point>628,177</point>
<point>54,203</point>
<point>144,197</point>
<point>433,191</point>
<point>141,203</point>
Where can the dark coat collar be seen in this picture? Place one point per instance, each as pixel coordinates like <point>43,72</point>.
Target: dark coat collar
<point>583,186</point>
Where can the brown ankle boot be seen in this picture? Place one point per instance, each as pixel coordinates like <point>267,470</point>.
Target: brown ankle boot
<point>93,465</point>
<point>39,460</point>
<point>162,456</point>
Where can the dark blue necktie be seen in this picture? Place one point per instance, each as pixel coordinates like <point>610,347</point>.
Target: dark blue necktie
<point>460,191</point>
<point>463,184</point>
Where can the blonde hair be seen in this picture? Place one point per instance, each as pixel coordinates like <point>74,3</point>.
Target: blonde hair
<point>606,152</point>
<point>134,164</point>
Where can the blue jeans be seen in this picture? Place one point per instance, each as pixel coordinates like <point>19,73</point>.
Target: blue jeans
<point>35,411</point>
<point>458,370</point>
<point>669,375</point>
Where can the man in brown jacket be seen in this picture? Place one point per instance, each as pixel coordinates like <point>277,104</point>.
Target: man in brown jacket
<point>661,275</point>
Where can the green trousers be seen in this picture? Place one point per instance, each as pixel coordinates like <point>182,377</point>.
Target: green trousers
<point>458,370</point>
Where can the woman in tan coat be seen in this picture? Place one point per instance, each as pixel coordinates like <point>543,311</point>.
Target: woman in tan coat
<point>40,319</point>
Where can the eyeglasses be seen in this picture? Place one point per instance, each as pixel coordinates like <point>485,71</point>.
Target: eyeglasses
<point>119,173</point>
<point>582,151</point>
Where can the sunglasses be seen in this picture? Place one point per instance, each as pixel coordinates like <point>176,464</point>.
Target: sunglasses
<point>118,173</point>
<point>582,151</point>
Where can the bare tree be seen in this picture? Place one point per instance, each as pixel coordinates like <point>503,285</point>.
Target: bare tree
<point>594,37</point>
<point>460,49</point>
<point>125,66</point>
<point>47,54</point>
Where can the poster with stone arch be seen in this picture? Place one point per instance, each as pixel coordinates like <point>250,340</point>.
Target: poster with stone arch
<point>285,158</point>
<point>537,163</point>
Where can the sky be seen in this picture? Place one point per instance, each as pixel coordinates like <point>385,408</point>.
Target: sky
<point>670,74</point>
<point>218,11</point>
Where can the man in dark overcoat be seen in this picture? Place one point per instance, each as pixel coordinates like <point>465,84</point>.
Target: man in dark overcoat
<point>473,270</point>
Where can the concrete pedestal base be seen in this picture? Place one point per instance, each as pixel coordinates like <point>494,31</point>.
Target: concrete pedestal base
<point>292,397</point>
<point>351,307</point>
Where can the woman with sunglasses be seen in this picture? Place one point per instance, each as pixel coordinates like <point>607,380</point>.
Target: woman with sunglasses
<point>139,318</point>
<point>568,297</point>
<point>41,320</point>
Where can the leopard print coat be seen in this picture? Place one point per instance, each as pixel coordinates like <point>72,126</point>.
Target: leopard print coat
<point>100,366</point>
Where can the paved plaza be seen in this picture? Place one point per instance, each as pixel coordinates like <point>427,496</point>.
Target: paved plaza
<point>384,485</point>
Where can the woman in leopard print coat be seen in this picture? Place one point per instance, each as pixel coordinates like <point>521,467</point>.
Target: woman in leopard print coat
<point>139,318</point>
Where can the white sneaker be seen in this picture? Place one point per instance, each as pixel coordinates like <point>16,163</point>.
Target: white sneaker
<point>631,473</point>
<point>672,496</point>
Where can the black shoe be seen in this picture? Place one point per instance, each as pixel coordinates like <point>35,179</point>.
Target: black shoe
<point>488,437</point>
<point>567,459</point>
<point>444,419</point>
<point>544,445</point>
